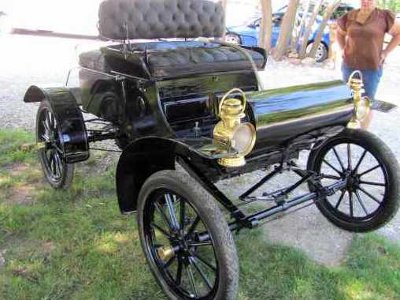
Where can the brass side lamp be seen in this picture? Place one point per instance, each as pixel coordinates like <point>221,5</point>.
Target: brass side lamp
<point>231,132</point>
<point>362,105</point>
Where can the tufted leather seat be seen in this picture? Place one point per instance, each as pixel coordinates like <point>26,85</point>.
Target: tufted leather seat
<point>155,19</point>
<point>171,59</point>
<point>151,19</point>
<point>200,60</point>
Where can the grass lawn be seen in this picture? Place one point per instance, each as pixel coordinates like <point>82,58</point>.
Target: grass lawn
<point>74,244</point>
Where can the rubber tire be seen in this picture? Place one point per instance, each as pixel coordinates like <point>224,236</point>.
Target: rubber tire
<point>68,172</point>
<point>325,53</point>
<point>211,215</point>
<point>239,39</point>
<point>385,156</point>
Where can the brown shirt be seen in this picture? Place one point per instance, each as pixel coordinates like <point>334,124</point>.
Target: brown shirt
<point>364,42</point>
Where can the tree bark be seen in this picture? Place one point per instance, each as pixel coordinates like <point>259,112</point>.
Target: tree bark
<point>328,13</point>
<point>286,30</point>
<point>307,33</point>
<point>300,29</point>
<point>266,25</point>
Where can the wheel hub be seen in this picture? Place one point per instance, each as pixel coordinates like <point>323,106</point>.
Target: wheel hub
<point>352,181</point>
<point>165,253</point>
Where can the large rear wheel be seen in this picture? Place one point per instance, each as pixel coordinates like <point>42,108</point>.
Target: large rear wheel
<point>57,172</point>
<point>185,238</point>
<point>370,172</point>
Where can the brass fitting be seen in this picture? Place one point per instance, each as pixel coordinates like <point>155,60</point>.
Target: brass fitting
<point>165,253</point>
<point>362,105</point>
<point>227,131</point>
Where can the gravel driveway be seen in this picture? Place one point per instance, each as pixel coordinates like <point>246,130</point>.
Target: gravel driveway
<point>26,60</point>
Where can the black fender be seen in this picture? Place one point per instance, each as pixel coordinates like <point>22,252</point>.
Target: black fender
<point>72,129</point>
<point>145,156</point>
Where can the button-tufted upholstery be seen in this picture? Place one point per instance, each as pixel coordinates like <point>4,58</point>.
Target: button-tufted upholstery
<point>200,60</point>
<point>170,59</point>
<point>151,19</point>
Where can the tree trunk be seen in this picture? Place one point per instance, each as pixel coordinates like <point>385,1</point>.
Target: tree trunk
<point>300,29</point>
<point>307,33</point>
<point>266,25</point>
<point>285,33</point>
<point>328,13</point>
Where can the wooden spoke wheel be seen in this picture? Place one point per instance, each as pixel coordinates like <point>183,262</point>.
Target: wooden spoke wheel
<point>370,172</point>
<point>186,239</point>
<point>56,171</point>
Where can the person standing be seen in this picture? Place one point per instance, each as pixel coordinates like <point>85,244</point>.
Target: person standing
<point>360,34</point>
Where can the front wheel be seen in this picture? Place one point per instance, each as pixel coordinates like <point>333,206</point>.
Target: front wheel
<point>370,197</point>
<point>185,238</point>
<point>57,172</point>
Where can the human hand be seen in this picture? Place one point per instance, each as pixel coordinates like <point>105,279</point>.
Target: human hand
<point>384,54</point>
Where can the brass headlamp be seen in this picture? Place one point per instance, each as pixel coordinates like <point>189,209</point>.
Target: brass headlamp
<point>362,105</point>
<point>231,133</point>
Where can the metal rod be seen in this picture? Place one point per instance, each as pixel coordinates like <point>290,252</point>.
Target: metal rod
<point>213,190</point>
<point>260,183</point>
<point>279,208</point>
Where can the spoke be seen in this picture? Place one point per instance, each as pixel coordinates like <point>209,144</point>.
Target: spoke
<point>51,120</point>
<point>162,213</point>
<point>179,272</point>
<point>351,204</point>
<point>348,157</point>
<point>191,277</point>
<point>369,170</point>
<point>45,138</point>
<point>45,127</point>
<point>328,176</point>
<point>159,228</point>
<point>58,164</point>
<point>359,161</point>
<point>200,244</point>
<point>48,155</point>
<point>182,214</point>
<point>336,170</point>
<point>373,183</point>
<point>53,163</point>
<point>204,261</point>
<point>369,195</point>
<point>46,123</point>
<point>192,261</point>
<point>169,262</point>
<point>361,203</point>
<point>340,199</point>
<point>193,226</point>
<point>338,158</point>
<point>171,210</point>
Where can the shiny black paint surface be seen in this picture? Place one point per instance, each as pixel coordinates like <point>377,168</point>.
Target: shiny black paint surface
<point>282,114</point>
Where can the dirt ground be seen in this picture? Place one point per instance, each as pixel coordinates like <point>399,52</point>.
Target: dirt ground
<point>26,60</point>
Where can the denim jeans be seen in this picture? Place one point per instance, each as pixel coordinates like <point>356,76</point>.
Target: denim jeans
<point>371,79</point>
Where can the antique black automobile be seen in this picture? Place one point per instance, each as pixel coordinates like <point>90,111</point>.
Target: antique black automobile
<point>187,113</point>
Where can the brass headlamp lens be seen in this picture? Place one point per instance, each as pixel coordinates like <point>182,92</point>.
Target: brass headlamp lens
<point>243,138</point>
<point>362,108</point>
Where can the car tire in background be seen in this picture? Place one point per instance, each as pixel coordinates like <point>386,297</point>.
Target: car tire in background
<point>233,38</point>
<point>322,51</point>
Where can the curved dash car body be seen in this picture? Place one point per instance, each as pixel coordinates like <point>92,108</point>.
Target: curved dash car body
<point>200,105</point>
